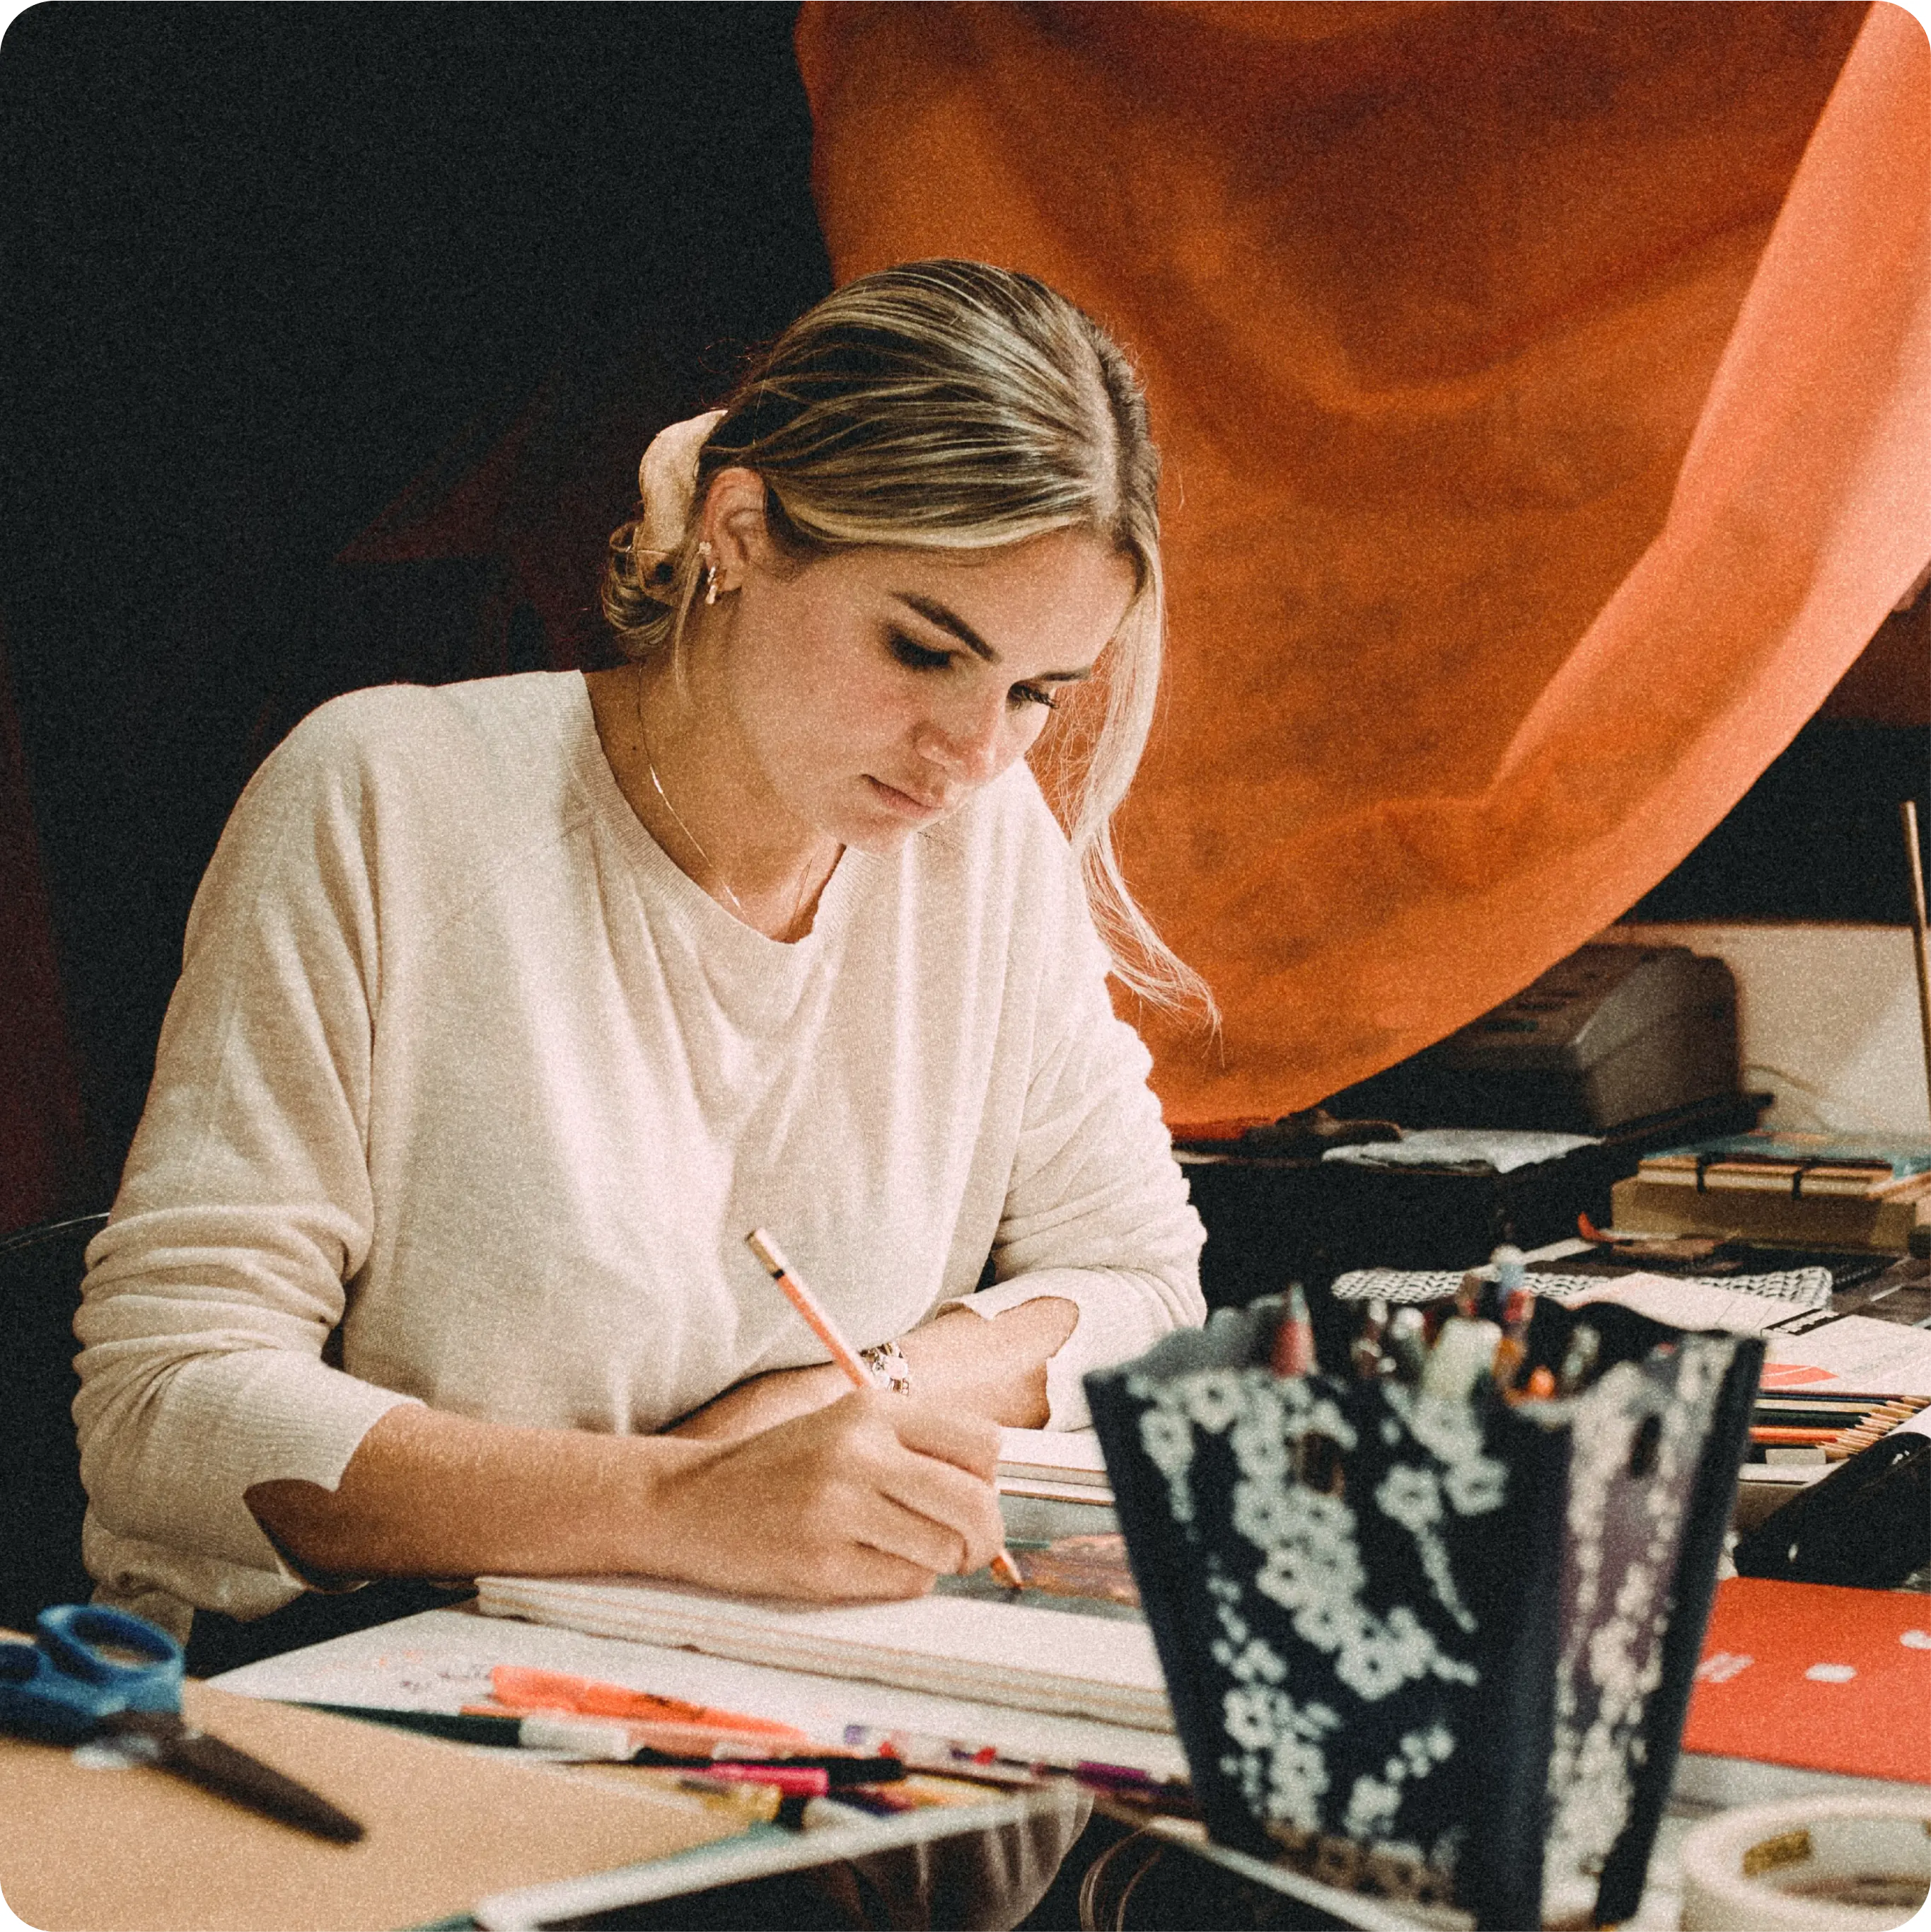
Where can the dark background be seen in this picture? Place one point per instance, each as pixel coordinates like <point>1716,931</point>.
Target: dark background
<point>262,265</point>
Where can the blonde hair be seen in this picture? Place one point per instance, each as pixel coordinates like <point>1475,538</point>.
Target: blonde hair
<point>948,405</point>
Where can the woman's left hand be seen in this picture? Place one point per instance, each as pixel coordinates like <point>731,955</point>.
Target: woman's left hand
<point>995,1369</point>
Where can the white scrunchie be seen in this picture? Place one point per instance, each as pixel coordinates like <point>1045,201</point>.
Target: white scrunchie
<point>667,481</point>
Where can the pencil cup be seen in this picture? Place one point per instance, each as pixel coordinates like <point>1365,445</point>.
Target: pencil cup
<point>1435,1650</point>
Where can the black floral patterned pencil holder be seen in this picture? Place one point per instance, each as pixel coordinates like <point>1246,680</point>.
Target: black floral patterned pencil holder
<point>1439,1651</point>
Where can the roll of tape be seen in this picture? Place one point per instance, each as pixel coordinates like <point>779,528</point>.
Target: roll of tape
<point>1817,1864</point>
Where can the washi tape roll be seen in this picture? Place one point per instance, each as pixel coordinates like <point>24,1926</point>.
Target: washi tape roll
<point>1816,1864</point>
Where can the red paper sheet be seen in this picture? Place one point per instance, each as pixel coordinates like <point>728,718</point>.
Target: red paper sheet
<point>1811,1675</point>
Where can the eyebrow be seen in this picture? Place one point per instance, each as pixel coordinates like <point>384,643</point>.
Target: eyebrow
<point>949,620</point>
<point>935,613</point>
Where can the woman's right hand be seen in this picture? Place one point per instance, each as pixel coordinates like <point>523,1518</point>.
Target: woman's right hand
<point>872,1497</point>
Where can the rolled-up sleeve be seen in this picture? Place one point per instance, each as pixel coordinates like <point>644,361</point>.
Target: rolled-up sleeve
<point>212,1293</point>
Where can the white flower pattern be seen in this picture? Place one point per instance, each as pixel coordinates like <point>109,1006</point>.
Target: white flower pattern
<point>1347,1594</point>
<point>1613,1623</point>
<point>1345,1639</point>
<point>1306,1545</point>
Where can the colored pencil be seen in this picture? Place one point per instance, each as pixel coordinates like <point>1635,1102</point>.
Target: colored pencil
<point>808,1304</point>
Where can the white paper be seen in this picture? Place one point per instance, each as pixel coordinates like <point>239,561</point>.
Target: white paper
<point>1070,1455</point>
<point>1504,1149</point>
<point>1688,1304</point>
<point>1007,1652</point>
<point>1850,1351</point>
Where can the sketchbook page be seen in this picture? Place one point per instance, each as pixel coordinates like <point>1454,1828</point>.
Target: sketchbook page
<point>1687,1303</point>
<point>1056,1455</point>
<point>441,1661</point>
<point>1007,1652</point>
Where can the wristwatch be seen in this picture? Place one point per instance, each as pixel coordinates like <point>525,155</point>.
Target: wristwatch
<point>889,1368</point>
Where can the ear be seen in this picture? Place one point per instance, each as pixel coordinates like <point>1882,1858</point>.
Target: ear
<point>733,525</point>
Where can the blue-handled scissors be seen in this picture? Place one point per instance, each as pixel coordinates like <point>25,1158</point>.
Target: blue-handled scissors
<point>92,1672</point>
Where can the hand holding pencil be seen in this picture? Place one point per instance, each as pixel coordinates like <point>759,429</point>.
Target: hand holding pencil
<point>864,1499</point>
<point>818,1318</point>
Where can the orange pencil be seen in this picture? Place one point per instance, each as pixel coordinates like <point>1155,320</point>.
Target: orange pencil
<point>808,1305</point>
<point>821,1324</point>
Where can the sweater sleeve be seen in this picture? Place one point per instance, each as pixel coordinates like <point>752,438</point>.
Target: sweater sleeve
<point>1096,1210</point>
<point>245,1207</point>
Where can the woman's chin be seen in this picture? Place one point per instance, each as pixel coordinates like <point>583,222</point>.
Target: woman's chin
<point>877,841</point>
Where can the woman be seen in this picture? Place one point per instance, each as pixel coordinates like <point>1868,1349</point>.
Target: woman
<point>507,1008</point>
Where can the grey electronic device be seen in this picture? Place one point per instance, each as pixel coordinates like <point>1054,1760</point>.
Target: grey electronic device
<point>1611,1034</point>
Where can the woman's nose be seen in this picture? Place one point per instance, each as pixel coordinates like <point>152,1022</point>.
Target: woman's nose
<point>969,745</point>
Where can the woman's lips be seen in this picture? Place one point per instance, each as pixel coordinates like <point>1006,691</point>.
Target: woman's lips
<point>907,805</point>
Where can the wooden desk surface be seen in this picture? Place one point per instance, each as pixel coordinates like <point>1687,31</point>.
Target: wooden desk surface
<point>137,1849</point>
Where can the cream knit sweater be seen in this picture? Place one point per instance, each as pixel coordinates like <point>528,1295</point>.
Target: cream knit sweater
<point>467,1095</point>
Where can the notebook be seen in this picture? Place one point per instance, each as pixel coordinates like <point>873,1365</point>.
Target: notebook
<point>1011,1651</point>
<point>1065,1464</point>
<point>1818,1676</point>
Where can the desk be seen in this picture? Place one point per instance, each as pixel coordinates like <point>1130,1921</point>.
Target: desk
<point>1705,1786</point>
<point>448,1648</point>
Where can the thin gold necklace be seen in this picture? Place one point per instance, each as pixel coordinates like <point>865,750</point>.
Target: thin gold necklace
<point>697,844</point>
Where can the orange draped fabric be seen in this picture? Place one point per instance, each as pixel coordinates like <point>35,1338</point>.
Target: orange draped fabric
<point>1546,395</point>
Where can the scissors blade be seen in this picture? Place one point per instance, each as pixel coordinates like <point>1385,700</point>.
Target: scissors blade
<point>234,1774</point>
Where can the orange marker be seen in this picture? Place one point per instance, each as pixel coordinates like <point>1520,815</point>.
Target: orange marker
<point>520,1688</point>
<point>818,1319</point>
<point>1294,1339</point>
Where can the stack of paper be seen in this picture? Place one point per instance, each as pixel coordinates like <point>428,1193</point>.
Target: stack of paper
<point>1691,1304</point>
<point>1063,1464</point>
<point>1849,1351</point>
<point>1008,1652</point>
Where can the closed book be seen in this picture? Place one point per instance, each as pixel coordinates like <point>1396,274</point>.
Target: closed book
<point>1640,1205</point>
<point>1793,1160</point>
<point>1766,1176</point>
<point>1681,1170</point>
<point>1862,1183</point>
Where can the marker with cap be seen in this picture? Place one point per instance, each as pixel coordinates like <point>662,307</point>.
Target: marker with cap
<point>1405,1343</point>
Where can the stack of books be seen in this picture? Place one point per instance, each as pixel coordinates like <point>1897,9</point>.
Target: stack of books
<point>1778,1183</point>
